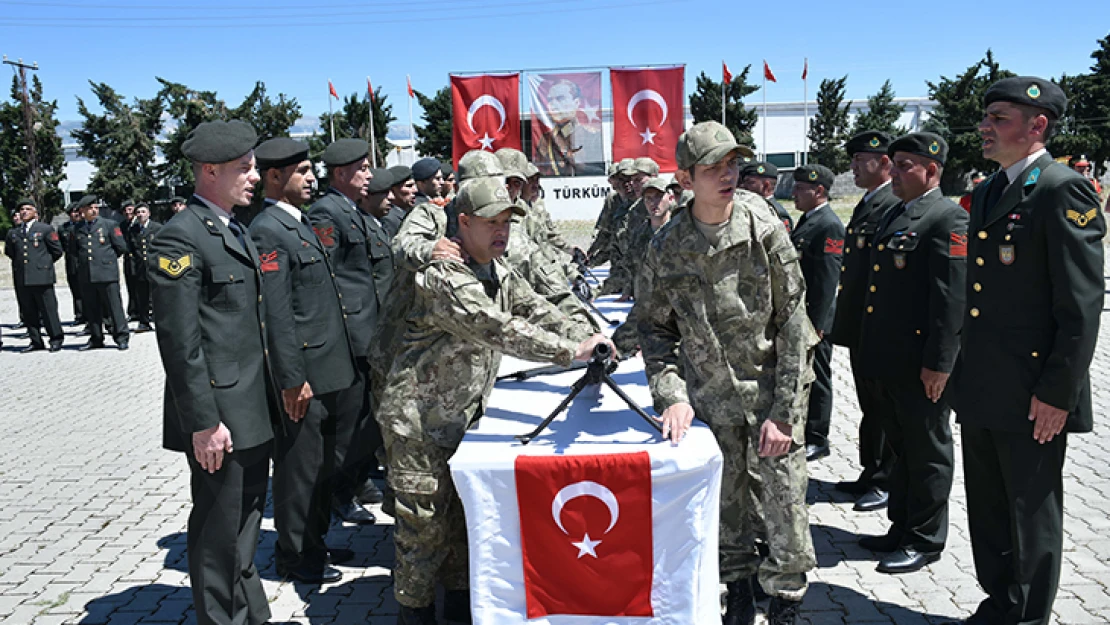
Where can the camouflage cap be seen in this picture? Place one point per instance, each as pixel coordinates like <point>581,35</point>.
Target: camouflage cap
<point>707,143</point>
<point>514,162</point>
<point>613,169</point>
<point>646,165</point>
<point>532,170</point>
<point>627,167</point>
<point>479,164</point>
<point>486,197</point>
<point>656,183</point>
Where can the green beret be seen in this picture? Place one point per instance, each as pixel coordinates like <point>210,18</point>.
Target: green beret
<point>380,181</point>
<point>344,152</point>
<point>479,164</point>
<point>486,197</point>
<point>280,152</point>
<point>177,198</point>
<point>425,168</point>
<point>872,141</point>
<point>1030,91</point>
<point>26,201</point>
<point>400,174</point>
<point>815,174</point>
<point>142,205</point>
<point>86,201</point>
<point>759,169</point>
<point>127,203</point>
<point>446,169</point>
<point>925,144</point>
<point>219,141</point>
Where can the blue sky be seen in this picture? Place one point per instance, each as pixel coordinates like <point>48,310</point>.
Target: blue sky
<point>295,47</point>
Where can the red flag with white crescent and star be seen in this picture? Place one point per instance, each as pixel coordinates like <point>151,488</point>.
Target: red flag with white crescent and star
<point>725,74</point>
<point>485,113</point>
<point>586,534</point>
<point>767,73</point>
<point>648,113</point>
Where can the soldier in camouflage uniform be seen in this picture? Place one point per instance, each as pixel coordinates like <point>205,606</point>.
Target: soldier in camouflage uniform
<point>616,206</point>
<point>658,202</point>
<point>725,336</point>
<point>463,316</point>
<point>620,270</point>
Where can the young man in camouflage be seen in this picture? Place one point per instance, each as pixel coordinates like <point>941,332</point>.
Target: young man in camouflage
<point>463,317</point>
<point>613,211</point>
<point>725,337</point>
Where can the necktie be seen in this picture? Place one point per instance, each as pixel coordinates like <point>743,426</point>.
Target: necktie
<point>237,229</point>
<point>25,229</point>
<point>998,187</point>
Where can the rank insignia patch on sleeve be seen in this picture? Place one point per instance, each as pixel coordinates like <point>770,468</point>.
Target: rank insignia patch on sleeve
<point>174,268</point>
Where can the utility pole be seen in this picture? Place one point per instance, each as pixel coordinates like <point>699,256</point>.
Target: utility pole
<point>29,129</point>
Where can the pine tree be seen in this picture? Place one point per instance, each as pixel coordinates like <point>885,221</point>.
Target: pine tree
<point>351,121</point>
<point>705,104</point>
<point>956,118</point>
<point>829,129</point>
<point>120,143</point>
<point>187,109</point>
<point>269,118</point>
<point>1091,104</point>
<point>15,171</point>
<point>434,137</point>
<point>882,113</point>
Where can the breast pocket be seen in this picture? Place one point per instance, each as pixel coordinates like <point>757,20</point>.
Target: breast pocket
<point>227,289</point>
<point>311,270</point>
<point>901,248</point>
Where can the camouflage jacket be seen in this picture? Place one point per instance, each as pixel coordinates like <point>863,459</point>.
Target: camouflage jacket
<point>544,229</point>
<point>636,246</point>
<point>614,206</point>
<point>725,329</point>
<point>451,347</point>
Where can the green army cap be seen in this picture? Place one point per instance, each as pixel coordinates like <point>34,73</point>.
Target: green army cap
<point>381,180</point>
<point>127,202</point>
<point>925,144</point>
<point>344,152</point>
<point>759,169</point>
<point>1030,91</point>
<point>86,201</point>
<point>815,174</point>
<point>627,167</point>
<point>178,199</point>
<point>486,197</point>
<point>707,143</point>
<point>646,165</point>
<point>479,164</point>
<point>514,162</point>
<point>613,169</point>
<point>869,141</point>
<point>280,152</point>
<point>446,169</point>
<point>531,170</point>
<point>26,201</point>
<point>656,183</point>
<point>219,141</point>
<point>400,173</point>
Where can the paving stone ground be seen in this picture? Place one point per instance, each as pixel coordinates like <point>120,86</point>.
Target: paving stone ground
<point>93,511</point>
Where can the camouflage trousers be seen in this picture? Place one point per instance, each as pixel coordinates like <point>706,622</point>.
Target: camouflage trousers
<point>429,532</point>
<point>764,497</point>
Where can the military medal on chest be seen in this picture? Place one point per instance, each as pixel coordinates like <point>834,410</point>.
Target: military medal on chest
<point>100,235</point>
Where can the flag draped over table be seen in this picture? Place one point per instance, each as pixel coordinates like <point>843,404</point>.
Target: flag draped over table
<point>566,124</point>
<point>648,113</point>
<point>586,534</point>
<point>485,113</point>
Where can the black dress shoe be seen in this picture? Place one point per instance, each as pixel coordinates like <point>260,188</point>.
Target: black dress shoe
<point>740,603</point>
<point>311,574</point>
<point>456,606</point>
<point>32,348</point>
<point>369,493</point>
<point>816,452</point>
<point>143,327</point>
<point>906,560</point>
<point>83,332</point>
<point>352,512</point>
<point>122,346</point>
<point>853,487</point>
<point>874,499</point>
<point>338,555</point>
<point>884,544</point>
<point>90,345</point>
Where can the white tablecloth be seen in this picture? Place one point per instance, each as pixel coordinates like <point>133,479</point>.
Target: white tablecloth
<point>685,479</point>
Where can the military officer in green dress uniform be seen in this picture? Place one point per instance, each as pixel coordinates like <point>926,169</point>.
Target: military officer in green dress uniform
<point>99,243</point>
<point>761,178</point>
<point>220,406</point>
<point>141,233</point>
<point>871,171</point>
<point>908,344</point>
<point>819,239</point>
<point>66,233</point>
<point>1021,385</point>
<point>34,246</point>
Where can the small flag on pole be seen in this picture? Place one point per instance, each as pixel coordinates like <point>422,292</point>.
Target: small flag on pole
<point>369,89</point>
<point>805,70</point>
<point>411,93</point>
<point>331,90</point>
<point>726,74</point>
<point>767,72</point>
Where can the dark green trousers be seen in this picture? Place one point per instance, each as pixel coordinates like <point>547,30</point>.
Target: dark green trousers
<point>819,417</point>
<point>1015,511</point>
<point>358,436</point>
<point>875,456</point>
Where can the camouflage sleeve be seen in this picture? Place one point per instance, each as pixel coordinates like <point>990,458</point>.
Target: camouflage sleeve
<point>554,237</point>
<point>419,233</point>
<point>560,316</point>
<point>795,337</point>
<point>457,303</point>
<point>659,340</point>
<point>599,249</point>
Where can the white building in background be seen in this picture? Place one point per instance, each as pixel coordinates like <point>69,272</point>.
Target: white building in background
<point>581,198</point>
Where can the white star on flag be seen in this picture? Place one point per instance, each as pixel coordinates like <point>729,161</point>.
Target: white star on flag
<point>586,547</point>
<point>487,142</point>
<point>590,111</point>
<point>649,136</point>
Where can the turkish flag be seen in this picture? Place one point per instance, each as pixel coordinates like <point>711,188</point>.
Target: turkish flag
<point>726,75</point>
<point>767,72</point>
<point>648,113</point>
<point>586,537</point>
<point>485,113</point>
<point>331,90</point>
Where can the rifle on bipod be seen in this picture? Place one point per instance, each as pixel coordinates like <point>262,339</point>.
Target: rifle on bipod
<point>528,374</point>
<point>579,284</point>
<point>598,368</point>
<point>579,258</point>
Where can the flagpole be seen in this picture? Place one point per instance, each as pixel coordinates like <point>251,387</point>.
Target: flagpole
<point>331,113</point>
<point>370,114</point>
<point>723,122</point>
<point>412,132</point>
<point>764,146</point>
<point>805,118</point>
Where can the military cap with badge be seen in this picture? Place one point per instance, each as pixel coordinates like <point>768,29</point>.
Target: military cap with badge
<point>927,144</point>
<point>815,174</point>
<point>759,169</point>
<point>487,198</point>
<point>707,143</point>
<point>868,141</point>
<point>1029,91</point>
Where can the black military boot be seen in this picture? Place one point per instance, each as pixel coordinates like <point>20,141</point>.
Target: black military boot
<point>417,616</point>
<point>783,611</point>
<point>740,605</point>
<point>456,606</point>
